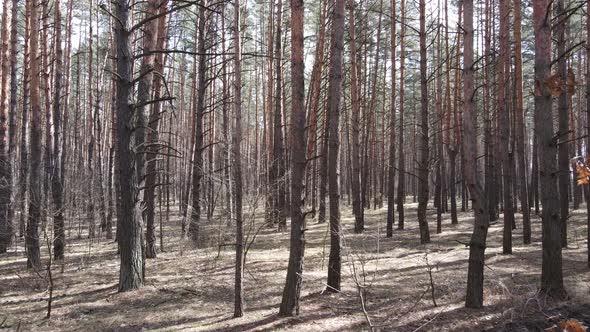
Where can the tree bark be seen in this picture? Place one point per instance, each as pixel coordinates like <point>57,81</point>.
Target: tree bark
<point>35,185</point>
<point>237,137</point>
<point>197,167</point>
<point>334,100</point>
<point>357,206</point>
<point>563,178</point>
<point>278,161</point>
<point>477,245</point>
<point>130,233</point>
<point>391,170</point>
<point>57,184</point>
<point>519,114</point>
<point>401,178</point>
<point>147,167</point>
<point>5,164</point>
<point>504,120</point>
<point>423,163</point>
<point>551,269</point>
<point>292,290</point>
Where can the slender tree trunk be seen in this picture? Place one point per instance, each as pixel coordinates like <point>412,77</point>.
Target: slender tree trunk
<point>24,155</point>
<point>357,206</point>
<point>12,118</point>
<point>292,290</point>
<point>147,167</point>
<point>504,130</point>
<point>391,170</point>
<point>423,163</point>
<point>588,130</point>
<point>278,160</point>
<point>334,99</point>
<point>477,245</point>
<point>57,184</point>
<point>401,178</point>
<point>91,121</point>
<point>237,141</point>
<point>5,164</point>
<point>197,167</point>
<point>563,123</point>
<point>35,185</point>
<point>519,114</point>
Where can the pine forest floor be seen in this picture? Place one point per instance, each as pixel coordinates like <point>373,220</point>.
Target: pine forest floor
<point>192,289</point>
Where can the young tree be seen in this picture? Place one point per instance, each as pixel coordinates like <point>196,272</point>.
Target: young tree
<point>292,290</point>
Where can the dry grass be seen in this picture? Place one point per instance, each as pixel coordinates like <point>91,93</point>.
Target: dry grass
<point>188,289</point>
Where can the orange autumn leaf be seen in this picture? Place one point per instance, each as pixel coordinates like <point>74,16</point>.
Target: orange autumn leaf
<point>583,174</point>
<point>554,84</point>
<point>572,325</point>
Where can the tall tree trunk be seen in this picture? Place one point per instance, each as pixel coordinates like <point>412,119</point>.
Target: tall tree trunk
<point>57,184</point>
<point>423,162</point>
<point>24,155</point>
<point>401,166</point>
<point>91,121</point>
<point>391,170</point>
<point>147,167</point>
<point>292,290</point>
<point>199,104</point>
<point>477,245</point>
<point>334,100</point>
<point>588,132</point>
<point>130,233</point>
<point>5,162</point>
<point>12,117</point>
<point>551,270</point>
<point>35,185</point>
<point>278,160</point>
<point>563,123</point>
<point>237,141</point>
<point>519,114</point>
<point>504,130</point>
<point>357,206</point>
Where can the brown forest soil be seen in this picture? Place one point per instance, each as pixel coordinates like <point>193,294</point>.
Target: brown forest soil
<point>192,289</point>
